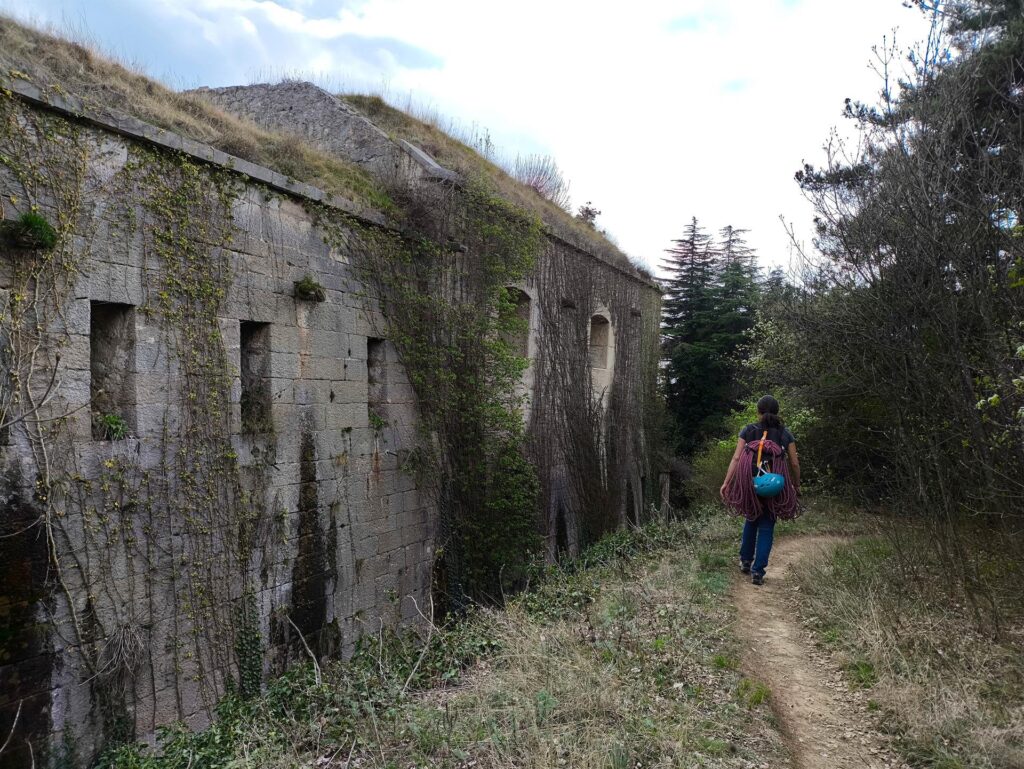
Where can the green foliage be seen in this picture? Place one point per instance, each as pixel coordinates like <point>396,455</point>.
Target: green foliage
<point>249,647</point>
<point>114,427</point>
<point>377,422</point>
<point>902,340</point>
<point>709,307</point>
<point>308,289</point>
<point>725,662</point>
<point>862,673</point>
<point>465,371</point>
<point>31,230</point>
<point>376,680</point>
<point>566,589</point>
<point>753,693</point>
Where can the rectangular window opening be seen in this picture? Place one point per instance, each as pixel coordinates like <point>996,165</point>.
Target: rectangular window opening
<point>376,376</point>
<point>112,370</point>
<point>254,368</point>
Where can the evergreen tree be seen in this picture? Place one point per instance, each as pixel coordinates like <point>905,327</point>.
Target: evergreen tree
<point>738,287</point>
<point>690,266</point>
<point>709,306</point>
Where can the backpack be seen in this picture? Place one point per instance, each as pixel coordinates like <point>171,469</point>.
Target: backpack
<point>766,483</point>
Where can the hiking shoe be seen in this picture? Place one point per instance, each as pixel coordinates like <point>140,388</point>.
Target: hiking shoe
<point>757,579</point>
<point>745,567</point>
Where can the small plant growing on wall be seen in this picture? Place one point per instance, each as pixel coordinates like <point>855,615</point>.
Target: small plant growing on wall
<point>308,289</point>
<point>114,427</point>
<point>29,231</point>
<point>377,422</point>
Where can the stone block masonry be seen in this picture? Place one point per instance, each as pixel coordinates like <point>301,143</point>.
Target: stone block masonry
<point>195,457</point>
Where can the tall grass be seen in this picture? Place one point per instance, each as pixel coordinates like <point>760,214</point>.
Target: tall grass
<point>622,659</point>
<point>908,632</point>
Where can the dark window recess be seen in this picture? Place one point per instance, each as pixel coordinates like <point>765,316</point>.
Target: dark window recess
<point>376,378</point>
<point>112,370</point>
<point>519,338</point>
<point>600,335</point>
<point>254,368</point>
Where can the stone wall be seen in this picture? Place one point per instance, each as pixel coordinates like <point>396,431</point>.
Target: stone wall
<point>346,540</point>
<point>133,563</point>
<point>587,457</point>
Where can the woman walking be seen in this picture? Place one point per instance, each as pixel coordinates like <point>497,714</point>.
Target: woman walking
<point>768,449</point>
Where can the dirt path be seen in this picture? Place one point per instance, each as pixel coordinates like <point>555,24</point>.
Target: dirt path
<point>825,723</point>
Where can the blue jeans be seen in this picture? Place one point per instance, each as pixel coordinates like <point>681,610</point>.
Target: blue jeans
<point>756,544</point>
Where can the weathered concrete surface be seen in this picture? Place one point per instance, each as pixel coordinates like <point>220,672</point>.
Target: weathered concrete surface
<point>344,540</point>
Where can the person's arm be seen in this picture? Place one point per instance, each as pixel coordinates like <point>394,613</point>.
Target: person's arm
<point>794,465</point>
<point>740,443</point>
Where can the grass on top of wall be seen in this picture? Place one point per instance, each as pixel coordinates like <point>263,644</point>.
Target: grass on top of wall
<point>427,134</point>
<point>51,61</point>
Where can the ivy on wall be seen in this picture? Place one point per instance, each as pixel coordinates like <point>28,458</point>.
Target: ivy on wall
<point>440,294</point>
<point>125,531</point>
<point>187,521</point>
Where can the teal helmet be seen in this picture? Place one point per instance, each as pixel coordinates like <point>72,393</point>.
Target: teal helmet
<point>769,484</point>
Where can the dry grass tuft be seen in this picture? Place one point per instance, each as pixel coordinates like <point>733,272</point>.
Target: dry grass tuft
<point>50,61</point>
<point>913,639</point>
<point>458,156</point>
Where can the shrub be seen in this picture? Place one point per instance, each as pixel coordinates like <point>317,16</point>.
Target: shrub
<point>30,231</point>
<point>114,427</point>
<point>309,290</point>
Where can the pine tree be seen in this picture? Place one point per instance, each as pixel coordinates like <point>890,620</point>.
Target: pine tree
<point>687,325</point>
<point>738,286</point>
<point>709,307</point>
<point>689,263</point>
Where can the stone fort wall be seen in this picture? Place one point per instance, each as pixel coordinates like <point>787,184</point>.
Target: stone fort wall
<point>132,570</point>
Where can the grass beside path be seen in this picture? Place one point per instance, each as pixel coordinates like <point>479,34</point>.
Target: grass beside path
<point>625,659</point>
<point>950,678</point>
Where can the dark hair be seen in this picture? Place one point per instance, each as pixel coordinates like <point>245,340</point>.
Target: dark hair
<point>768,409</point>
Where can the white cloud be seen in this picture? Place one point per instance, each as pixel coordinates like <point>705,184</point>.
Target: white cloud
<point>656,111</point>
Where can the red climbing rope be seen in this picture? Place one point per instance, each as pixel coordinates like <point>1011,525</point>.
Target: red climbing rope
<point>740,496</point>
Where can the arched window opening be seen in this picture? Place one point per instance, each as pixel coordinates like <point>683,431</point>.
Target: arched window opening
<point>519,338</point>
<point>600,339</point>
<point>602,357</point>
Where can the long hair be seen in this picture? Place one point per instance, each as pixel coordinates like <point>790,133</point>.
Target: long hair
<point>768,409</point>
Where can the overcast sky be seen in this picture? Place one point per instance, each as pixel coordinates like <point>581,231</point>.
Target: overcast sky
<point>655,110</point>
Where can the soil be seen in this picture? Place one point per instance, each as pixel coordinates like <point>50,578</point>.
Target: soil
<point>824,721</point>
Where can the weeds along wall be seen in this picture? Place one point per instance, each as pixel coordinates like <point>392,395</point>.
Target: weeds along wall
<point>240,425</point>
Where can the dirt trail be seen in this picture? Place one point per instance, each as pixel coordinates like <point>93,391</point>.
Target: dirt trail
<point>825,723</point>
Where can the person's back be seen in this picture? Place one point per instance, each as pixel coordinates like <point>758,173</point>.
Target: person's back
<point>778,455</point>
